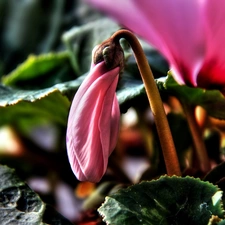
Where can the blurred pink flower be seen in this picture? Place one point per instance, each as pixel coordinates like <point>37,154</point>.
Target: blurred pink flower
<point>93,123</point>
<point>190,34</point>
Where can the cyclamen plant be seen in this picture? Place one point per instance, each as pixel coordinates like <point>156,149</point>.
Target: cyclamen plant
<point>184,179</point>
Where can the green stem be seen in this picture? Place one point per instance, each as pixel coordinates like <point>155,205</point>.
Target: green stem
<point>198,142</point>
<point>163,129</point>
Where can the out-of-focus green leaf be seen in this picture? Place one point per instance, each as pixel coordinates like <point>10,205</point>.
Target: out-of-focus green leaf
<point>168,200</point>
<point>20,205</point>
<point>81,40</point>
<point>36,66</point>
<point>211,100</point>
<point>35,27</point>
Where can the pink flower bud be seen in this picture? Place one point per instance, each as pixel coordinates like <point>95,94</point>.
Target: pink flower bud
<point>93,123</point>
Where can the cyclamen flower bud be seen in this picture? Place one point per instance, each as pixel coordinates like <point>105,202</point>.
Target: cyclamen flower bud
<point>93,123</point>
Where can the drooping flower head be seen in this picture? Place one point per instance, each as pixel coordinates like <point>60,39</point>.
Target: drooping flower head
<point>190,34</point>
<point>93,123</point>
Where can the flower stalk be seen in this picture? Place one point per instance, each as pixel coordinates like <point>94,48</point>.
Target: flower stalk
<point>199,145</point>
<point>163,129</point>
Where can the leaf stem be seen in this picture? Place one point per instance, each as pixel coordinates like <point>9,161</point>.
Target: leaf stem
<point>163,129</point>
<point>198,142</point>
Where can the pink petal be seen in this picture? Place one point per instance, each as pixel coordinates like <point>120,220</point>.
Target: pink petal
<point>178,26</point>
<point>90,135</point>
<point>213,69</point>
<point>124,12</point>
<point>175,28</point>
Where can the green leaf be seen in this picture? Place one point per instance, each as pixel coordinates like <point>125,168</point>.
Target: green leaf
<point>51,104</point>
<point>47,104</point>
<point>35,67</point>
<point>168,200</point>
<point>211,100</point>
<point>20,205</point>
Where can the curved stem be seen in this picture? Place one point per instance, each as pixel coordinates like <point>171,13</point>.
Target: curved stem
<point>199,145</point>
<point>163,129</point>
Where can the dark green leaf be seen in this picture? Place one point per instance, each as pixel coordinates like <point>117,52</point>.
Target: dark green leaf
<point>216,174</point>
<point>20,205</point>
<point>168,200</point>
<point>211,100</point>
<point>46,104</point>
<point>51,104</point>
<point>81,40</point>
<point>129,93</point>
